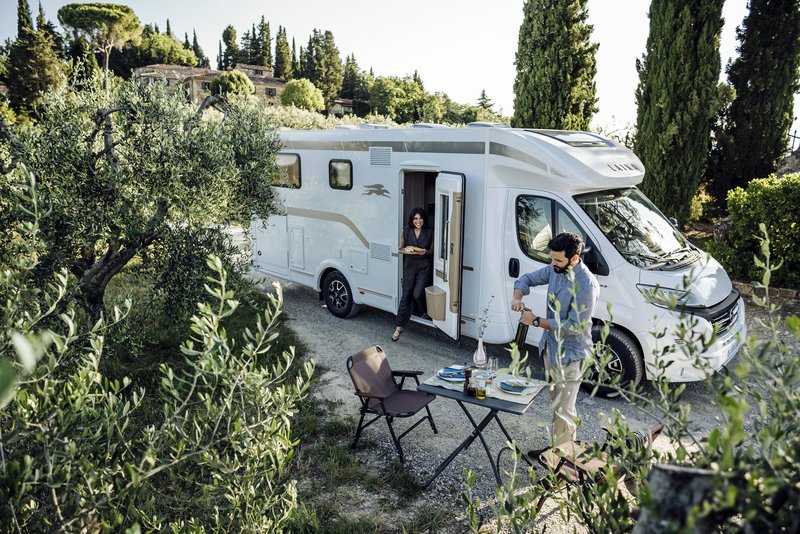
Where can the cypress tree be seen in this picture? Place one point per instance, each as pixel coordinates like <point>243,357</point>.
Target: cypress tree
<point>202,60</point>
<point>34,66</point>
<point>264,55</point>
<point>24,19</point>
<point>186,44</point>
<point>556,66</point>
<point>484,101</point>
<point>350,78</point>
<point>169,30</point>
<point>755,126</point>
<point>295,62</point>
<point>283,56</point>
<point>254,50</point>
<point>244,51</point>
<point>220,58</point>
<point>331,70</point>
<point>44,25</point>
<point>676,99</point>
<point>231,54</point>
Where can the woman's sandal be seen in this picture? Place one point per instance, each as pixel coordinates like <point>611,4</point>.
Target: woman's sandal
<point>397,332</point>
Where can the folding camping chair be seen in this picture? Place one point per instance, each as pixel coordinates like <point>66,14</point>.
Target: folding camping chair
<point>383,396</point>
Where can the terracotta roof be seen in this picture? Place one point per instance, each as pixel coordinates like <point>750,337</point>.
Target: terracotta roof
<point>180,70</point>
<point>183,72</point>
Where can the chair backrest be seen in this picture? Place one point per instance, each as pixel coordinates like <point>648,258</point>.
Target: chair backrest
<point>370,372</point>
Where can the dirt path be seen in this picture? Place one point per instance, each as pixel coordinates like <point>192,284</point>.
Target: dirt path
<point>331,340</point>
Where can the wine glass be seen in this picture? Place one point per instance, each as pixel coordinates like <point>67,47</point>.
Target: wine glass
<point>491,367</point>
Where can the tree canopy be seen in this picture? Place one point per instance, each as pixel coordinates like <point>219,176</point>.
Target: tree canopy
<point>118,168</point>
<point>676,99</point>
<point>105,26</point>
<point>232,82</point>
<point>302,94</point>
<point>556,66</point>
<point>752,134</point>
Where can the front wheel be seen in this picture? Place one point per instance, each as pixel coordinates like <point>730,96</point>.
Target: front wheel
<point>338,296</point>
<point>625,366</point>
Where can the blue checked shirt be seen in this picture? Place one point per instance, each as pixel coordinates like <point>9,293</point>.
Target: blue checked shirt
<point>573,329</point>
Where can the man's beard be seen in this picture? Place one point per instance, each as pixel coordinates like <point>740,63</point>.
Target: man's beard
<point>560,270</point>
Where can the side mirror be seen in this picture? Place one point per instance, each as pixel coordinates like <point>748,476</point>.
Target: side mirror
<point>595,261</point>
<point>673,221</point>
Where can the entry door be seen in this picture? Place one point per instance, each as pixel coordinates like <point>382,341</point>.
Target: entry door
<point>448,248</point>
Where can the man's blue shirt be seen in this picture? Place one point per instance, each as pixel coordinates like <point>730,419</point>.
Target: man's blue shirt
<point>573,307</point>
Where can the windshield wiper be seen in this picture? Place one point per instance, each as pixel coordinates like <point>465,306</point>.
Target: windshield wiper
<point>656,260</point>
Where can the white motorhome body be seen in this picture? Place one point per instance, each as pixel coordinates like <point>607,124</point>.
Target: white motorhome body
<point>494,197</point>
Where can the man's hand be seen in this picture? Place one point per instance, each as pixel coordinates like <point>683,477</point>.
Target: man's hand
<point>527,317</point>
<point>516,301</point>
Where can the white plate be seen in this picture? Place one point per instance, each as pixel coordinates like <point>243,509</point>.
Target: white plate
<point>528,389</point>
<point>449,378</point>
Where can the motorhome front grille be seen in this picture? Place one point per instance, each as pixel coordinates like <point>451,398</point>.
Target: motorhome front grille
<point>378,251</point>
<point>726,319</point>
<point>380,156</point>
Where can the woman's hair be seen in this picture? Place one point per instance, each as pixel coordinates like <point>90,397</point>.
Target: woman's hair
<point>416,211</point>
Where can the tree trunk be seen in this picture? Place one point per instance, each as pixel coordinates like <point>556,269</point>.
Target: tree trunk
<point>675,490</point>
<point>91,290</point>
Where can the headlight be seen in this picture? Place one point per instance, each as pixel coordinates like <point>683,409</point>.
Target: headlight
<point>665,297</point>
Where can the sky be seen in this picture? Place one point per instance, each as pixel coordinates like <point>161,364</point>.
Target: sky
<point>458,47</point>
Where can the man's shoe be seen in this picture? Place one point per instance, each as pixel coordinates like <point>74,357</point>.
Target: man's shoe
<point>535,453</point>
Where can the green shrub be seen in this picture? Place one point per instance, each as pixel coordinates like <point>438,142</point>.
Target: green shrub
<point>77,456</point>
<point>775,201</point>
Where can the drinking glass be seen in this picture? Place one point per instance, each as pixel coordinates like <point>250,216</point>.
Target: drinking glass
<point>491,369</point>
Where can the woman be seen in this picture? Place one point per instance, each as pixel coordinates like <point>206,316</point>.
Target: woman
<point>417,269</point>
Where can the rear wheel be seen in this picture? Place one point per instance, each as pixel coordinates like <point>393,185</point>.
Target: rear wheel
<point>626,363</point>
<point>338,296</point>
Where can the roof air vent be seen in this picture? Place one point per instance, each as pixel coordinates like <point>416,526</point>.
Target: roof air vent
<point>380,156</point>
<point>487,125</point>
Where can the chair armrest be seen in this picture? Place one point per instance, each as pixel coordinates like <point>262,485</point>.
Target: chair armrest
<point>406,373</point>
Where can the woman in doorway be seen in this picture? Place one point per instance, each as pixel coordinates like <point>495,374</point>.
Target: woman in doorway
<point>417,269</point>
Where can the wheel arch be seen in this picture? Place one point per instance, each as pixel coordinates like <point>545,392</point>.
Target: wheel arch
<point>626,331</point>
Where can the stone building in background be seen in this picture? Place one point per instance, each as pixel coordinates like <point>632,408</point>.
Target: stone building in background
<point>197,81</point>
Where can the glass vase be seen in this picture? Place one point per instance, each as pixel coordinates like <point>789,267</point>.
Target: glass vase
<point>479,357</point>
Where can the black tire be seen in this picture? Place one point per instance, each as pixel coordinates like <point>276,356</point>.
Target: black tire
<point>626,362</point>
<point>338,296</point>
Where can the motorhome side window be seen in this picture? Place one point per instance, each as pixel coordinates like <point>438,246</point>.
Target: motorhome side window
<point>288,171</point>
<point>340,174</point>
<point>536,218</point>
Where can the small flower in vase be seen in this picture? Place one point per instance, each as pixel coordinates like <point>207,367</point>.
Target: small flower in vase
<point>481,322</point>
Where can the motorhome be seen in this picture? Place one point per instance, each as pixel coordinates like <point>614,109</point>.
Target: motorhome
<point>494,196</point>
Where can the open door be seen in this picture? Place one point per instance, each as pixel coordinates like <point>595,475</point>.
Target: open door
<point>448,252</point>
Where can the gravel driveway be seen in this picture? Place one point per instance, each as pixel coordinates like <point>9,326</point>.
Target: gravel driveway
<point>330,341</point>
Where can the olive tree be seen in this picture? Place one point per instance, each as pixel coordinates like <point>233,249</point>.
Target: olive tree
<point>117,168</point>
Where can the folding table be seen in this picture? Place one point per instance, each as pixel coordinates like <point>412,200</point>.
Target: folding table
<point>497,402</point>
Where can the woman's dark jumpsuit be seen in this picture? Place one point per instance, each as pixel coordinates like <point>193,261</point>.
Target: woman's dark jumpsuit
<point>417,274</point>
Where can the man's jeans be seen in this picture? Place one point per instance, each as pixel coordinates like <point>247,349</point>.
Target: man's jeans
<point>564,384</point>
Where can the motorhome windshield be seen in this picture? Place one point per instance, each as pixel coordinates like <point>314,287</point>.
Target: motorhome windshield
<point>641,234</point>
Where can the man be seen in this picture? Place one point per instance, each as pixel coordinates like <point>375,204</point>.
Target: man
<point>571,335</point>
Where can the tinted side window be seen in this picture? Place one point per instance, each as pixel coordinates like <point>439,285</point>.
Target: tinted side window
<point>534,226</point>
<point>565,223</point>
<point>287,171</point>
<point>340,174</point>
